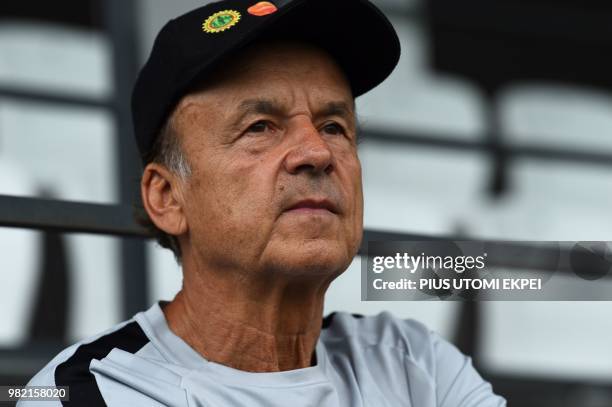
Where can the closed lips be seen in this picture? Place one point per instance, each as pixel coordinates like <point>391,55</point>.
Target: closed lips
<point>314,204</point>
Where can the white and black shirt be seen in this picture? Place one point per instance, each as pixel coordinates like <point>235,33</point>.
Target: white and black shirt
<point>373,361</point>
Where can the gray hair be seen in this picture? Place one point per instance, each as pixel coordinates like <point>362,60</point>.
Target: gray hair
<point>168,152</point>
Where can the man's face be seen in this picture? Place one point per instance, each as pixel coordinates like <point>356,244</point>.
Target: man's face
<point>276,180</point>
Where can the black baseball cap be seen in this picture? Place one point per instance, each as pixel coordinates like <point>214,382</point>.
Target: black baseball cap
<point>188,48</point>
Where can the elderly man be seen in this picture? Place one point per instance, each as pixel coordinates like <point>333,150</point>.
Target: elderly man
<point>245,118</point>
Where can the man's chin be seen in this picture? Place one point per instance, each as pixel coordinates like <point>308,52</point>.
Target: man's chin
<point>311,257</point>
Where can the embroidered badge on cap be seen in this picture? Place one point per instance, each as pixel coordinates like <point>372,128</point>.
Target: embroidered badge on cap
<point>263,8</point>
<point>221,21</point>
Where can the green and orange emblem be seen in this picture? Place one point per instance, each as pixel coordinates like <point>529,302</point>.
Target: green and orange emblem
<point>221,21</point>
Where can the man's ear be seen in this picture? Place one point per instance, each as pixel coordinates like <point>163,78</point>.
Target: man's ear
<point>162,199</point>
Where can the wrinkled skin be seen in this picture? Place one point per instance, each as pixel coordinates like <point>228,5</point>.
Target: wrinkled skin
<point>277,126</point>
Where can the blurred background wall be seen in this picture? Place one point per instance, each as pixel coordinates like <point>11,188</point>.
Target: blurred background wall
<point>432,165</point>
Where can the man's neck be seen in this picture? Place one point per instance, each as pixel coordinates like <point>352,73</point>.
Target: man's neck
<point>249,324</point>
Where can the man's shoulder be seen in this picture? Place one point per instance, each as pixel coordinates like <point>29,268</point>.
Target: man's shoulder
<point>383,330</point>
<point>384,342</point>
<point>71,366</point>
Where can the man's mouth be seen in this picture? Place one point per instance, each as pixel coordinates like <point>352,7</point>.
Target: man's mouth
<point>313,206</point>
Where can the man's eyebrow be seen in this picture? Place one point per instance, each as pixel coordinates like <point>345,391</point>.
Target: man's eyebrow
<point>273,108</point>
<point>342,109</point>
<point>258,106</point>
<point>251,107</point>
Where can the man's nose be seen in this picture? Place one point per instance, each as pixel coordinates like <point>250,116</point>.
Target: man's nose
<point>309,151</point>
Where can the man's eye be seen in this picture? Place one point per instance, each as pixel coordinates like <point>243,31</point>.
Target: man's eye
<point>258,127</point>
<point>334,129</point>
